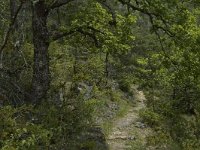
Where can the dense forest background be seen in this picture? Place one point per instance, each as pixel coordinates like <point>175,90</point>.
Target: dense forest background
<point>68,67</point>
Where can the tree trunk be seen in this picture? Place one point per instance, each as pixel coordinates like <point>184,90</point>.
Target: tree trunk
<point>13,9</point>
<point>41,74</point>
<point>106,65</point>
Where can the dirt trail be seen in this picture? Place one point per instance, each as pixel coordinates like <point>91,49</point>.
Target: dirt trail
<point>129,129</point>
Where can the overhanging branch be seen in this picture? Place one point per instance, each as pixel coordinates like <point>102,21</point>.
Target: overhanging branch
<point>82,30</point>
<point>151,15</point>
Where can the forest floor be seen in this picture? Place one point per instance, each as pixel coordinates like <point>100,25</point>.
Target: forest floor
<point>128,132</point>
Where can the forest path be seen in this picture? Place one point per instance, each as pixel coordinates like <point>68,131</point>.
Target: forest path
<point>128,132</point>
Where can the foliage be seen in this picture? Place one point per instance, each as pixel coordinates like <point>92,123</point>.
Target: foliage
<point>98,49</point>
<point>28,128</point>
<point>151,117</point>
<point>17,133</point>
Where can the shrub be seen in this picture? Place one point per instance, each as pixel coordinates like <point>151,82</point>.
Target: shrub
<point>150,117</point>
<point>17,132</point>
<point>124,85</point>
<point>47,126</point>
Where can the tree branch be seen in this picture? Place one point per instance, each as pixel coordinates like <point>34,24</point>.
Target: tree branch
<point>163,49</point>
<point>91,35</point>
<point>7,35</point>
<point>134,7</point>
<point>110,10</point>
<point>58,35</point>
<point>151,16</point>
<point>60,3</point>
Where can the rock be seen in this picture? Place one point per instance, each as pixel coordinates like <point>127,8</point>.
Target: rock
<point>140,125</point>
<point>121,137</point>
<point>132,138</point>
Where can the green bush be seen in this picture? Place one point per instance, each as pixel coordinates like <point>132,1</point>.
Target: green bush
<point>150,117</point>
<point>17,132</point>
<point>47,126</point>
<point>124,85</point>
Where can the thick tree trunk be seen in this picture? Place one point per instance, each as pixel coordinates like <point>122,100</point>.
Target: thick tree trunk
<point>41,74</point>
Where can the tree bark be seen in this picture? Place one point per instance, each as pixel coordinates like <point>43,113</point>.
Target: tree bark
<point>106,65</point>
<point>41,74</point>
<point>13,10</point>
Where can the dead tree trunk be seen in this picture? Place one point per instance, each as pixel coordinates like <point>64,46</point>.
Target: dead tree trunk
<point>41,74</point>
